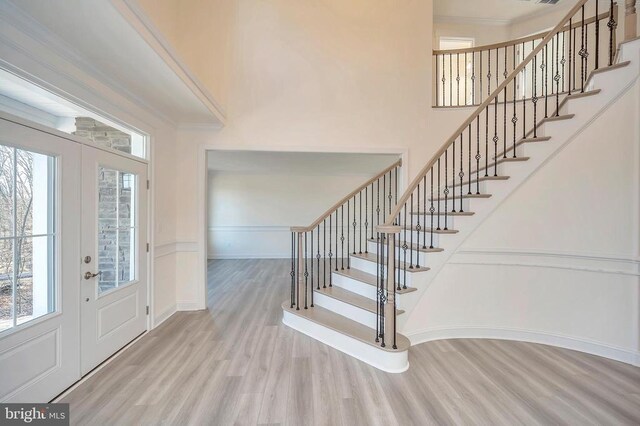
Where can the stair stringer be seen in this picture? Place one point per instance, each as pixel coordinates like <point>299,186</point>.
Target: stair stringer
<point>614,83</point>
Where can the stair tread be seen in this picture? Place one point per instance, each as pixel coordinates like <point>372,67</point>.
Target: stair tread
<point>509,150</point>
<point>559,117</point>
<point>475,180</point>
<point>428,213</point>
<point>367,278</point>
<point>501,160</point>
<point>457,196</point>
<point>400,243</point>
<point>372,257</point>
<point>351,298</point>
<point>346,326</point>
<point>429,229</point>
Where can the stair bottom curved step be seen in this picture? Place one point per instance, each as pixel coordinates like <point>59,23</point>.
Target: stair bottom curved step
<point>348,336</point>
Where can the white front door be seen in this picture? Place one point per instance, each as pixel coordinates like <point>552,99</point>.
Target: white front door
<point>114,257</point>
<point>39,268</point>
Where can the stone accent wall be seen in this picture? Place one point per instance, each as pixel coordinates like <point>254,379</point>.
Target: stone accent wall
<point>102,134</point>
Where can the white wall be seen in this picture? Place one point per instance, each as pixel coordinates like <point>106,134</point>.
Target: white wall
<point>559,261</point>
<point>249,214</point>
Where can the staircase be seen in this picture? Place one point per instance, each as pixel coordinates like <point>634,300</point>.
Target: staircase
<point>358,271</point>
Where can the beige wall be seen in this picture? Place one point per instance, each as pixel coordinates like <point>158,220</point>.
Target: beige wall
<point>199,31</point>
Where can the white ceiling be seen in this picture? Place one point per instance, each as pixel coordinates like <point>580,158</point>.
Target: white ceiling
<point>94,34</point>
<point>497,10</point>
<point>297,163</point>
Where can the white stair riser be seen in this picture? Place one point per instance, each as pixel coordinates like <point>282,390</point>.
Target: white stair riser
<point>345,309</point>
<point>391,362</point>
<point>358,287</point>
<point>370,268</point>
<point>423,257</point>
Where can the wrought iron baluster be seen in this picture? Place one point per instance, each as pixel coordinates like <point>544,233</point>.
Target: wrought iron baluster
<point>293,269</point>
<point>337,226</point>
<point>466,78</point>
<point>444,99</point>
<point>450,79</point>
<point>481,78</point>
<point>486,142</point>
<point>438,195</point>
<point>431,210</point>
<point>557,76</point>
<point>570,54</point>
<point>504,110</point>
<point>461,174</point>
<point>411,236</point>
<point>348,239</point>
<point>446,187</point>
<point>582,50</point>
<point>306,272</point>
<point>424,212</point>
<point>342,237</point>
<point>418,226</point>
<point>379,272</point>
<point>524,97</point>
<point>458,78</point>
<point>324,254</point>
<point>437,85</point>
<point>545,82</point>
<point>469,162</point>
<point>311,261</point>
<point>574,59</point>
<point>478,156</point>
<point>473,78</point>
<point>597,36</point>
<point>453,178</point>
<point>489,73</point>
<point>514,119</point>
<point>534,99</point>
<point>360,224</point>
<point>611,24</point>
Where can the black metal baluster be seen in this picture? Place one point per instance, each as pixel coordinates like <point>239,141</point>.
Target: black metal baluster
<point>489,73</point>
<point>404,242</point>
<point>437,85</point>
<point>382,291</point>
<point>311,261</point>
<point>473,78</point>
<point>461,174</point>
<point>395,199</point>
<point>534,99</point>
<point>378,293</point>
<point>424,212</point>
<point>444,81</point>
<point>545,82</point>
<point>411,236</point>
<point>438,196</point>
<point>378,205</point>
<point>390,196</point>
<point>586,54</point>
<point>612,27</point>
<point>360,223</point>
<point>342,237</point>
<point>366,213</point>
<point>495,123</point>
<point>293,269</point>
<point>354,224</point>
<point>486,142</point>
<point>514,119</point>
<point>574,59</point>
<point>481,78</point>
<point>431,210</point>
<point>306,272</point>
<point>458,78</point>
<point>553,64</point>
<point>348,239</point>
<point>597,37</point>
<point>469,163</point>
<point>582,50</point>
<point>418,226</point>
<point>556,77</point>
<point>466,78</point>
<point>297,290</point>
<point>446,187</point>
<point>324,254</point>
<point>337,226</point>
<point>453,179</point>
<point>504,110</point>
<point>570,56</point>
<point>478,156</point>
<point>563,61</point>
<point>524,97</point>
<point>450,80</point>
<point>331,251</point>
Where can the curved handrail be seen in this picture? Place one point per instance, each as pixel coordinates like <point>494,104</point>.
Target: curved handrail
<point>498,90</point>
<point>518,41</point>
<point>345,199</point>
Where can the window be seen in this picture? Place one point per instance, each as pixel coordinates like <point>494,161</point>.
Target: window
<point>27,236</point>
<point>456,66</point>
<point>117,228</point>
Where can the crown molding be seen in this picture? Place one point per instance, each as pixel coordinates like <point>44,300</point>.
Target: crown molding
<point>131,11</point>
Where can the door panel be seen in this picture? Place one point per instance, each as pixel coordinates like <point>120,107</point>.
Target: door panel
<point>39,270</point>
<point>114,290</point>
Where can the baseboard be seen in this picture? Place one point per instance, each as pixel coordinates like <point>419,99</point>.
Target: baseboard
<point>164,315</point>
<point>189,306</point>
<point>562,341</point>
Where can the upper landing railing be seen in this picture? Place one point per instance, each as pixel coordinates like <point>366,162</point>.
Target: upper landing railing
<point>466,77</point>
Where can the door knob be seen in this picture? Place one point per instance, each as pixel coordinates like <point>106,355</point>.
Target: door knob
<point>89,275</point>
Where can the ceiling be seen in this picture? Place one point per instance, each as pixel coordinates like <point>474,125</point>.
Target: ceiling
<point>95,36</point>
<point>490,10</point>
<point>299,163</point>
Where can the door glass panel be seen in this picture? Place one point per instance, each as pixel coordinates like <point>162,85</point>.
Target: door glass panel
<point>116,228</point>
<point>27,235</point>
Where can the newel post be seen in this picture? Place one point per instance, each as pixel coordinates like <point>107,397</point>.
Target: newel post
<point>630,20</point>
<point>389,288</point>
<point>299,269</point>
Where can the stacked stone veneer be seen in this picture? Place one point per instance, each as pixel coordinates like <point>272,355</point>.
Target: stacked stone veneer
<point>102,134</point>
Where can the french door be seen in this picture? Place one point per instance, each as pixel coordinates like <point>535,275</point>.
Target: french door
<point>73,261</point>
<point>114,258</point>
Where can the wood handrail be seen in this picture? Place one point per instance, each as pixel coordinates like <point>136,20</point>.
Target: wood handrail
<point>345,199</point>
<point>423,172</point>
<point>518,40</point>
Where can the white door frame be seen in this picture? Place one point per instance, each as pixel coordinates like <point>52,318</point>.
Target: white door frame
<point>202,189</point>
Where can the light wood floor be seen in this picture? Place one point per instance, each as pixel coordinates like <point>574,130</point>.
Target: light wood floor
<point>238,364</point>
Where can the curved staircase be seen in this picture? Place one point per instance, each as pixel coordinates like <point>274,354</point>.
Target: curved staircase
<point>354,281</point>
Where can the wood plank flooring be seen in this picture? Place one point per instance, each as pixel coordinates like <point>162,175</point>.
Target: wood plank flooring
<point>237,364</point>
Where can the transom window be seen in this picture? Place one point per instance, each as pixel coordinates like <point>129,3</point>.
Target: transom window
<point>27,236</point>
